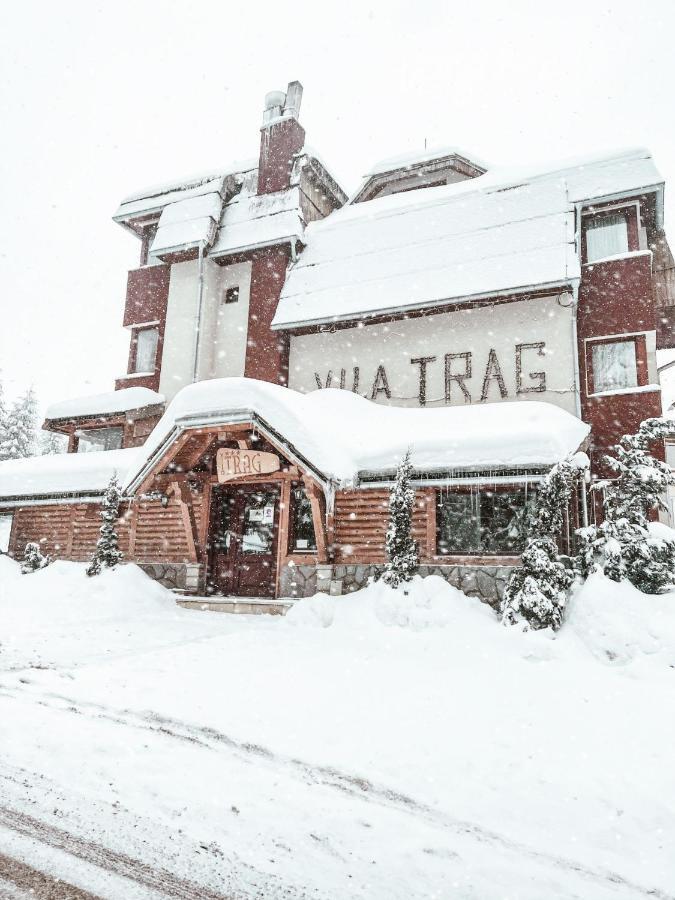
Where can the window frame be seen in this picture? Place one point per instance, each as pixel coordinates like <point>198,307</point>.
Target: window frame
<point>292,531</point>
<point>7,514</point>
<point>79,433</point>
<point>639,339</point>
<point>630,211</point>
<point>482,489</point>
<point>135,333</point>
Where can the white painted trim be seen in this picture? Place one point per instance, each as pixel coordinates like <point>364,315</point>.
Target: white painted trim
<point>617,257</point>
<point>151,324</point>
<point>621,334</point>
<point>21,502</point>
<point>135,375</point>
<point>640,389</point>
<point>464,481</point>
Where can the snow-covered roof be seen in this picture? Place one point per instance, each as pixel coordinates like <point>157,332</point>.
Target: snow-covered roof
<point>418,157</point>
<point>339,433</point>
<point>223,211</point>
<point>62,474</point>
<point>250,220</point>
<point>507,231</point>
<point>107,404</point>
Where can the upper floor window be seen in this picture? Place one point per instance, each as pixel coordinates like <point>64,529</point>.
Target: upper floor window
<point>616,364</point>
<point>92,439</point>
<point>612,232</point>
<point>146,349</point>
<point>231,295</point>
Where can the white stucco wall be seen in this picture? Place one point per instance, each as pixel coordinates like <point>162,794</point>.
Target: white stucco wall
<point>468,331</point>
<point>224,327</point>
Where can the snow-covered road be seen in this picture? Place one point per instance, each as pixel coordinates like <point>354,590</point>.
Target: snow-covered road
<point>153,752</point>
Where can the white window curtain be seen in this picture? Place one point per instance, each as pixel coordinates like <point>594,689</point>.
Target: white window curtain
<point>146,349</point>
<point>606,236</point>
<point>614,366</point>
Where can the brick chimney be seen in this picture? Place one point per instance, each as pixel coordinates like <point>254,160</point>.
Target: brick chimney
<point>281,137</point>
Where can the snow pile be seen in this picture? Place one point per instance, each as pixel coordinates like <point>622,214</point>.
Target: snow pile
<point>64,473</point>
<point>188,223</point>
<point>618,623</point>
<point>490,435</point>
<point>106,404</point>
<point>380,757</point>
<point>423,603</point>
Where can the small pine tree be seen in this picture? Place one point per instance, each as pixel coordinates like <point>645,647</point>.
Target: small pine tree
<point>33,559</point>
<point>622,545</point>
<point>536,591</point>
<point>18,435</point>
<point>402,558</point>
<point>107,553</point>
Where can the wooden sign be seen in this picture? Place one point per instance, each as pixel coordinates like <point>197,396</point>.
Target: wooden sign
<point>234,463</point>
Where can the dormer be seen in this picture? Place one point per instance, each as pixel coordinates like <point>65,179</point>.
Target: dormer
<point>430,168</point>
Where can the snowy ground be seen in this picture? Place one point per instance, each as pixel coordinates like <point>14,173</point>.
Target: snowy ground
<point>364,747</point>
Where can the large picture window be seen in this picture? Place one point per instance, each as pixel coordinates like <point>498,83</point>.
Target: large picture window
<point>92,439</point>
<point>482,521</point>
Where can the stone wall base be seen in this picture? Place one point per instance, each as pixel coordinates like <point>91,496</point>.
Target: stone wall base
<point>183,577</point>
<point>485,582</point>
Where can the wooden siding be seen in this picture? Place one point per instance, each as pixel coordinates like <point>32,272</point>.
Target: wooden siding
<point>360,525</point>
<point>67,531</point>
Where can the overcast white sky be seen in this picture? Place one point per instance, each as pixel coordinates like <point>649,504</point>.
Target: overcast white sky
<point>99,99</point>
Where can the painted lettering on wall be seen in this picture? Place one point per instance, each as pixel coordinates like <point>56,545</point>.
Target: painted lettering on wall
<point>457,373</point>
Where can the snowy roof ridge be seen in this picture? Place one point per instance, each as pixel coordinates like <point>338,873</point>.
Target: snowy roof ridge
<point>157,190</point>
<point>418,157</point>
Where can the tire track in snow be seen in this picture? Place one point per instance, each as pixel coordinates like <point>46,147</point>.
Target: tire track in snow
<point>362,788</point>
<point>159,880</point>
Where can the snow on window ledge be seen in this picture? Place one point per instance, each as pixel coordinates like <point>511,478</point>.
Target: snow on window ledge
<point>617,256</point>
<point>136,375</point>
<point>641,389</point>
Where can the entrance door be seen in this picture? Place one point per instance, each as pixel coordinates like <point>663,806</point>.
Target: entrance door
<point>244,525</point>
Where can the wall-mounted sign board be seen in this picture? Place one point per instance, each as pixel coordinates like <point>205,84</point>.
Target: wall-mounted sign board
<point>233,463</point>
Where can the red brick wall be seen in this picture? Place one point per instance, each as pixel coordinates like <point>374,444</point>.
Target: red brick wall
<point>146,301</point>
<point>278,145</point>
<point>616,297</point>
<point>266,350</point>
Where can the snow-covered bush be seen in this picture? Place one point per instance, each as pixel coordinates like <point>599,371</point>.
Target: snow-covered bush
<point>33,559</point>
<point>107,553</point>
<point>536,592</point>
<point>626,544</point>
<point>401,549</point>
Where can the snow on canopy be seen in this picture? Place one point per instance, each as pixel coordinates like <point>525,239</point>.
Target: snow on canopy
<point>106,404</point>
<point>340,433</point>
<point>507,231</point>
<point>63,474</point>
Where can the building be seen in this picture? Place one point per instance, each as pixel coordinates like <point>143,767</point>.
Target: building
<point>287,344</point>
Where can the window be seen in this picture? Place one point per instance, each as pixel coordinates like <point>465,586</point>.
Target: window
<point>146,349</point>
<point>606,235</point>
<point>302,523</point>
<point>482,521</point>
<point>93,439</point>
<point>232,295</point>
<point>5,531</point>
<point>615,365</point>
<point>147,239</point>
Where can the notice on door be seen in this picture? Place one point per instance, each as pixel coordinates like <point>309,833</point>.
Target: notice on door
<point>233,463</point>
